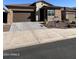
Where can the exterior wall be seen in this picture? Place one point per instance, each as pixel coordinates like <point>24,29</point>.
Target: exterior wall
<point>18,14</point>
<point>10,17</point>
<point>38,6</point>
<point>71,16</point>
<point>50,18</point>
<point>21,17</point>
<point>58,14</point>
<point>63,16</point>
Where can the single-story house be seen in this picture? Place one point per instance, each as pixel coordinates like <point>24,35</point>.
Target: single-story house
<point>38,11</point>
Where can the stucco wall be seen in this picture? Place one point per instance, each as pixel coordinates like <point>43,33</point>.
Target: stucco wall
<point>39,5</point>
<point>58,13</point>
<point>50,18</point>
<point>10,16</point>
<point>71,16</point>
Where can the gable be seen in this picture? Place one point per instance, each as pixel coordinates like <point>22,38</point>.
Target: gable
<point>41,3</point>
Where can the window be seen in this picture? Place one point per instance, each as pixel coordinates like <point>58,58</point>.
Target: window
<point>51,12</point>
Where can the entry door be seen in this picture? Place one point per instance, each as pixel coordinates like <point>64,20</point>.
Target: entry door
<point>41,15</point>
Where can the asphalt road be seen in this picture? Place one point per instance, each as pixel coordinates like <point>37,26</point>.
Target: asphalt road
<point>65,49</point>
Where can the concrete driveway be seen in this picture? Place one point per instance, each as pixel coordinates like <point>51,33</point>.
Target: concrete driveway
<point>28,34</point>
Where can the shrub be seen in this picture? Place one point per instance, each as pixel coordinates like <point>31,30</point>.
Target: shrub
<point>73,22</point>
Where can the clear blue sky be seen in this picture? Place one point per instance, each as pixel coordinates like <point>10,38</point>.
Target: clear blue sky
<point>66,3</point>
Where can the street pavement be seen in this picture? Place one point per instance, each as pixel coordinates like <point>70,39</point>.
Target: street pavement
<point>63,49</point>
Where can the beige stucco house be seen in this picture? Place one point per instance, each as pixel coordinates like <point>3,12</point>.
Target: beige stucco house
<point>38,11</point>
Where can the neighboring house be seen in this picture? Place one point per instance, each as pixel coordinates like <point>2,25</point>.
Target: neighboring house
<point>38,11</point>
<point>5,12</point>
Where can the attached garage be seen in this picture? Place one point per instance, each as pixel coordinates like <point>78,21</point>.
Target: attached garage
<point>21,13</point>
<point>21,16</point>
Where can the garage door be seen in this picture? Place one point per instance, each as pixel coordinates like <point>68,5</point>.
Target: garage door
<point>21,16</point>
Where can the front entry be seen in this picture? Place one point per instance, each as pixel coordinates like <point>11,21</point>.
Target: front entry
<point>41,14</point>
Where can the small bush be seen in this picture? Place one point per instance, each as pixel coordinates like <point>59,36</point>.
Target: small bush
<point>57,21</point>
<point>68,26</point>
<point>67,19</point>
<point>73,22</point>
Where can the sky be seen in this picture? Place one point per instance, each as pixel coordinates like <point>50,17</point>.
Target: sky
<point>63,3</point>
